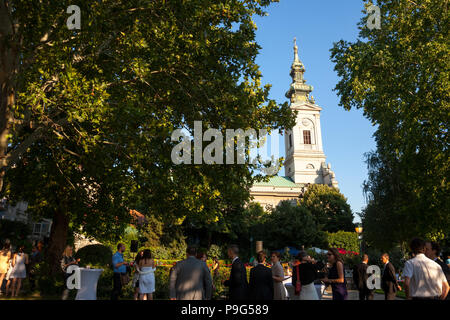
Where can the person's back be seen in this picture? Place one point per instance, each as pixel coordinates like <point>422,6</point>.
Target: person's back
<point>19,270</point>
<point>190,280</point>
<point>261,283</point>
<point>444,268</point>
<point>360,276</point>
<point>146,263</point>
<point>237,283</point>
<point>146,269</point>
<point>425,275</point>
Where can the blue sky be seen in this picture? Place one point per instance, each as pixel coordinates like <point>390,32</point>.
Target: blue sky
<point>346,135</point>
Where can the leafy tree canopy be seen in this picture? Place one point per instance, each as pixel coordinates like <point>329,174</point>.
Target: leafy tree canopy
<point>399,76</point>
<point>86,115</point>
<point>329,208</point>
<point>291,225</point>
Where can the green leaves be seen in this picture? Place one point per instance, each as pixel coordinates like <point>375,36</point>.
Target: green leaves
<point>329,208</point>
<point>399,76</point>
<point>107,97</point>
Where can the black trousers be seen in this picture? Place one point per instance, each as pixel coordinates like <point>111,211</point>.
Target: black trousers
<point>390,295</point>
<point>365,294</point>
<point>117,286</point>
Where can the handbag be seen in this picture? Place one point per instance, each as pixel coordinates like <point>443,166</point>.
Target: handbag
<point>298,284</point>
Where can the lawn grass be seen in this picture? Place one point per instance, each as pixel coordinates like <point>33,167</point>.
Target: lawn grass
<point>400,294</point>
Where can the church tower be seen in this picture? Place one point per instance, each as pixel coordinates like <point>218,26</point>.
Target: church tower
<point>305,159</point>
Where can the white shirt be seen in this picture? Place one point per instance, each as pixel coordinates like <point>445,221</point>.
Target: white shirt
<point>426,277</point>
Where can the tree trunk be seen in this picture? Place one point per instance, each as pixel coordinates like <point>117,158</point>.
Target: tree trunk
<point>8,70</point>
<point>58,239</point>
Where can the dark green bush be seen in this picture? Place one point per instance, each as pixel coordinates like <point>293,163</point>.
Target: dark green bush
<point>48,285</point>
<point>95,254</point>
<point>162,283</point>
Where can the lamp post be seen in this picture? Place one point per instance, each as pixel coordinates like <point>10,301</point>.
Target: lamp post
<point>359,230</point>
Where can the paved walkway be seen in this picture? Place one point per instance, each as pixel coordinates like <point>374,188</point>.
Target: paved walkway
<point>353,295</point>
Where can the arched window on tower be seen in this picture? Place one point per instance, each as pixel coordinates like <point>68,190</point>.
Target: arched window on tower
<point>290,141</point>
<point>306,136</point>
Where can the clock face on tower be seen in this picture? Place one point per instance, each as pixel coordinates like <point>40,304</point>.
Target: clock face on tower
<point>306,122</point>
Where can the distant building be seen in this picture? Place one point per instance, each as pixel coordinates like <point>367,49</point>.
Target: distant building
<point>18,212</point>
<point>305,160</point>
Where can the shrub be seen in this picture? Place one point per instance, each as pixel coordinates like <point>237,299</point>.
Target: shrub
<point>104,284</point>
<point>215,251</point>
<point>162,283</point>
<point>49,285</point>
<point>351,258</point>
<point>221,290</point>
<point>344,240</point>
<point>95,254</point>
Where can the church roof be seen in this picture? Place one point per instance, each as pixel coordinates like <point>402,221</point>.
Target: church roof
<point>279,181</point>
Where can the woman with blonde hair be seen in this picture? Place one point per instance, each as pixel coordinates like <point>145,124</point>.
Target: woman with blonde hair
<point>66,261</point>
<point>5,256</point>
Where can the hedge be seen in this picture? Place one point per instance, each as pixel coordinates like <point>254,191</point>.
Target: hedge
<point>343,240</point>
<point>94,254</point>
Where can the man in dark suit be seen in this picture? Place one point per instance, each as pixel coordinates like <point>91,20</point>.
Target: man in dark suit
<point>360,279</point>
<point>261,281</point>
<point>237,283</point>
<point>389,282</point>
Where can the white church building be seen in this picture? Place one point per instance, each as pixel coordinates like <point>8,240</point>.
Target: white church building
<point>305,160</point>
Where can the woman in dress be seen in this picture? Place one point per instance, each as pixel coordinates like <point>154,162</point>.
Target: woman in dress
<point>279,292</point>
<point>336,275</point>
<point>216,267</point>
<point>307,274</point>
<point>18,272</point>
<point>5,257</point>
<point>66,261</point>
<point>136,274</point>
<point>146,276</point>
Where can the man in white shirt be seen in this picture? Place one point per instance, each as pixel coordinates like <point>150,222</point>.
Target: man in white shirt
<point>424,278</point>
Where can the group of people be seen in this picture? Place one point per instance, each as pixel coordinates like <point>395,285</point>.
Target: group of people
<point>426,276</point>
<point>191,279</point>
<point>144,279</point>
<point>14,266</point>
